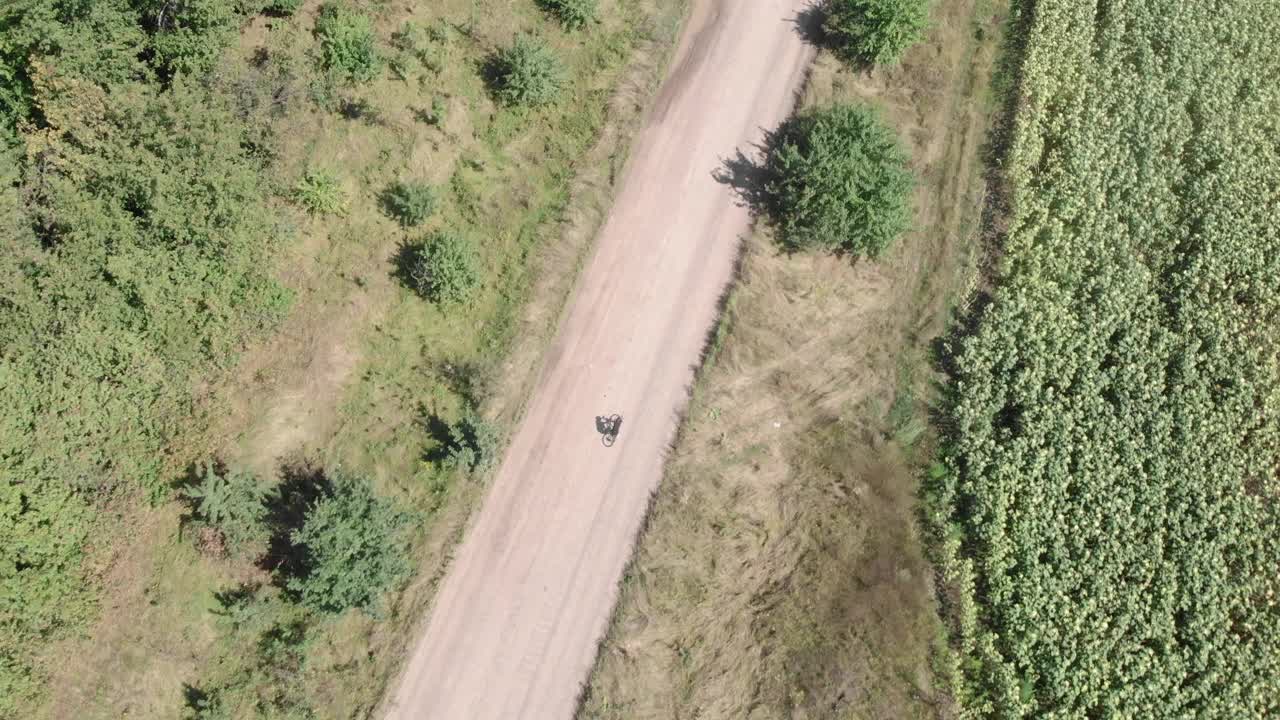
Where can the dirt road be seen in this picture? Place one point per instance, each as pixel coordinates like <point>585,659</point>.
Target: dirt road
<point>516,622</point>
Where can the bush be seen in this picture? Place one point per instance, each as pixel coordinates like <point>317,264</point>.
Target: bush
<point>875,32</point>
<point>474,444</point>
<point>231,503</point>
<point>409,203</point>
<point>282,7</point>
<point>347,43</point>
<point>573,14</point>
<point>352,548</point>
<point>837,179</point>
<point>444,267</point>
<point>528,73</point>
<point>320,194</point>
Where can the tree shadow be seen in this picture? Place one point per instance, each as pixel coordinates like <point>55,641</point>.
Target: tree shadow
<point>229,601</point>
<point>195,699</point>
<point>404,263</point>
<point>809,24</point>
<point>471,380</point>
<point>445,444</point>
<point>362,110</point>
<point>492,69</point>
<point>301,484</point>
<point>748,178</point>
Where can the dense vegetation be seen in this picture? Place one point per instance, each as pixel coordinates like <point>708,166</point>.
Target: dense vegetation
<point>874,32</point>
<point>1109,504</point>
<point>144,188</point>
<point>837,179</point>
<point>347,43</point>
<point>135,229</point>
<point>350,547</point>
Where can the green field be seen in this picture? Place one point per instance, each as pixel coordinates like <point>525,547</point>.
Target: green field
<point>1107,507</point>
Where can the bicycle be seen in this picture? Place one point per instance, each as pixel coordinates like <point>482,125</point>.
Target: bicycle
<point>608,427</point>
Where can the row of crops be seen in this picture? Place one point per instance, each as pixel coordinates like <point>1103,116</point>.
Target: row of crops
<point>1108,504</point>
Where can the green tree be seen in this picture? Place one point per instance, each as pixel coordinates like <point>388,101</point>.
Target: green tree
<point>352,546</point>
<point>837,179</point>
<point>347,43</point>
<point>444,267</point>
<point>189,36</point>
<point>874,32</point>
<point>528,73</point>
<point>474,443</point>
<point>573,14</point>
<point>233,503</point>
<point>409,203</point>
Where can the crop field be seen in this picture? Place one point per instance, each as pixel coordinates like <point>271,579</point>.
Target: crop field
<point>1107,505</point>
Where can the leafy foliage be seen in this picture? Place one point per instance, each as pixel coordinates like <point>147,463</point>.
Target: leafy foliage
<point>347,43</point>
<point>444,267</point>
<point>474,444</point>
<point>354,549</point>
<point>875,32</point>
<point>528,73</point>
<point>135,233</point>
<point>410,203</point>
<point>188,36</point>
<point>837,179</point>
<point>233,503</point>
<point>1107,506</point>
<point>573,14</point>
<point>320,193</point>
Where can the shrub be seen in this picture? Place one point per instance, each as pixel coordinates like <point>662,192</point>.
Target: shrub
<point>444,267</point>
<point>837,179</point>
<point>352,548</point>
<point>474,444</point>
<point>231,503</point>
<point>573,14</point>
<point>347,43</point>
<point>874,32</point>
<point>320,194</point>
<point>528,73</point>
<point>282,7</point>
<point>409,203</point>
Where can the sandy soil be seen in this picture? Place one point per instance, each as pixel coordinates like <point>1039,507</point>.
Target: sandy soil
<point>517,620</point>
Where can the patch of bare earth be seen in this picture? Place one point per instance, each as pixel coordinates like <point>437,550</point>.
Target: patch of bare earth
<point>780,574</point>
